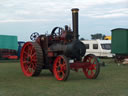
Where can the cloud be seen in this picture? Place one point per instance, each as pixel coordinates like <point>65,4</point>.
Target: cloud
<point>14,10</point>
<point>23,12</point>
<point>109,14</point>
<point>26,20</point>
<point>45,10</point>
<point>91,3</point>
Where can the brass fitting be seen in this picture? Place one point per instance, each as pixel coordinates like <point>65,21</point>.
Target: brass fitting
<point>75,10</point>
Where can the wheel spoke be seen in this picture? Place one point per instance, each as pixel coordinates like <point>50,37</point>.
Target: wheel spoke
<point>58,72</point>
<point>32,70</point>
<point>89,60</point>
<point>25,53</point>
<point>34,66</point>
<point>93,66</point>
<point>63,74</point>
<point>64,67</point>
<point>59,61</point>
<point>92,73</point>
<point>30,65</point>
<point>94,61</point>
<point>86,70</point>
<point>28,70</point>
<point>26,66</point>
<point>89,68</point>
<point>34,60</point>
<point>25,62</point>
<point>33,55</point>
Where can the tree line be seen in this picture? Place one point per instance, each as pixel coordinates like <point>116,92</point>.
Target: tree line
<point>96,36</point>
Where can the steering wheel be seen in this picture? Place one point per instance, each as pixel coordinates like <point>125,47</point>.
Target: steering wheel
<point>34,36</point>
<point>57,31</point>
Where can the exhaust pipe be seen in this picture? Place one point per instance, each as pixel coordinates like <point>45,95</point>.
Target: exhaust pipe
<point>75,23</point>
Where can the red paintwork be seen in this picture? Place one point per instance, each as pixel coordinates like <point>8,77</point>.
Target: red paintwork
<point>28,59</point>
<point>78,65</point>
<point>63,35</point>
<point>90,70</point>
<point>88,65</point>
<point>13,57</point>
<point>59,68</point>
<point>10,56</point>
<point>50,54</point>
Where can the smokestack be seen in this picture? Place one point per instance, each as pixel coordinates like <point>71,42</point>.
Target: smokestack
<point>75,23</point>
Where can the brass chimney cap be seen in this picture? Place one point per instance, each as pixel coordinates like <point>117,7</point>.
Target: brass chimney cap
<point>75,10</point>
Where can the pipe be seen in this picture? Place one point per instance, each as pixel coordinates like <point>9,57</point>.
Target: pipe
<point>75,23</point>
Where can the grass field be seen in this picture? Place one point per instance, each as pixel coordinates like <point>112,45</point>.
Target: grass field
<point>112,81</point>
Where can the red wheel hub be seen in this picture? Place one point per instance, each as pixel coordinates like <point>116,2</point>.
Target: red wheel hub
<point>28,59</point>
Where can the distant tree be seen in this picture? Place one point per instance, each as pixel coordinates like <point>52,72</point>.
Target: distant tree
<point>82,38</point>
<point>103,37</point>
<point>97,36</point>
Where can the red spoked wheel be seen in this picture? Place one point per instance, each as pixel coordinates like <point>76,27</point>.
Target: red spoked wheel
<point>92,70</point>
<point>61,68</point>
<point>31,59</point>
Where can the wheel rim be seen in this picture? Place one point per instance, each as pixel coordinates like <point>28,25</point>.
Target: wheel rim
<point>28,59</point>
<point>60,68</point>
<point>92,70</point>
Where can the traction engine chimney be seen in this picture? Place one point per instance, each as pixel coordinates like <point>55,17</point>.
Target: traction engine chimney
<point>75,23</point>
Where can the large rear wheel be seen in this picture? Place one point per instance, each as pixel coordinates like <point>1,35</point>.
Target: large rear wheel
<point>92,70</point>
<point>61,68</point>
<point>31,59</point>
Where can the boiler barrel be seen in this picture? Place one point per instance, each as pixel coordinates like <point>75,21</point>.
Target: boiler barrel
<point>75,49</point>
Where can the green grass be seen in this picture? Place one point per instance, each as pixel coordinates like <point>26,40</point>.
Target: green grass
<point>112,81</point>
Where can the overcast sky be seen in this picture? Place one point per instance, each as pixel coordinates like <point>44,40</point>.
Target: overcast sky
<point>23,17</point>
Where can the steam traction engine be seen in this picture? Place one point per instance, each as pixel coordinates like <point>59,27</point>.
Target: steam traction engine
<point>59,52</point>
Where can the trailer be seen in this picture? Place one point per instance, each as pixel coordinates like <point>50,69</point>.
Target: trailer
<point>100,48</point>
<point>8,47</point>
<point>120,44</point>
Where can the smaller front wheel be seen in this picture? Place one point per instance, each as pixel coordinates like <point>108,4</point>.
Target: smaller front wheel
<point>92,70</point>
<point>61,68</point>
